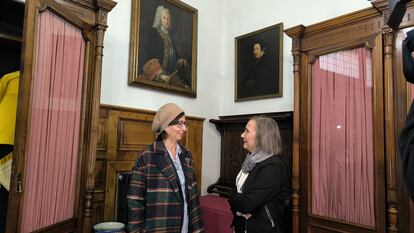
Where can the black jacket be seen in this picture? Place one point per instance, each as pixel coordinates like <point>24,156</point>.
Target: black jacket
<point>406,145</point>
<point>408,61</point>
<point>264,195</point>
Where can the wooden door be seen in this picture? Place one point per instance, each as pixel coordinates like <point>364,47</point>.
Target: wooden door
<point>342,181</point>
<point>359,30</point>
<point>52,134</point>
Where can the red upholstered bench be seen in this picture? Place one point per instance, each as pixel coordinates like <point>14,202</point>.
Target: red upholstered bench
<point>216,213</point>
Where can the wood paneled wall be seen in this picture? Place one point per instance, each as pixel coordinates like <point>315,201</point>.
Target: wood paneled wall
<point>123,134</point>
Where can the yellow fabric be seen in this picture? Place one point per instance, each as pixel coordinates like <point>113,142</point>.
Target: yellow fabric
<point>9,87</point>
<point>5,171</point>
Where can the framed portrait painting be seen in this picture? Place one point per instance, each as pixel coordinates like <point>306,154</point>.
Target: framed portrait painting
<point>258,64</point>
<point>163,46</point>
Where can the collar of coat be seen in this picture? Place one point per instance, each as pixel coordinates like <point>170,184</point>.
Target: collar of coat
<point>163,161</point>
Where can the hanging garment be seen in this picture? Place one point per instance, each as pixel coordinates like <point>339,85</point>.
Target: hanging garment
<point>9,87</point>
<point>5,171</point>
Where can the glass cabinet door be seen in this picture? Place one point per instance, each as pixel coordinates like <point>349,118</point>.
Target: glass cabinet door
<point>342,163</point>
<point>50,124</point>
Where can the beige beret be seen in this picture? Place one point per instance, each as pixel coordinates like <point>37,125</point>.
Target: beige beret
<point>165,115</point>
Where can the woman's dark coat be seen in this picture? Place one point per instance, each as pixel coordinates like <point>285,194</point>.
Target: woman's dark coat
<point>155,202</point>
<point>264,195</point>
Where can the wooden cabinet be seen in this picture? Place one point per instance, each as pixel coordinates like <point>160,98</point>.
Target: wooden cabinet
<point>232,151</point>
<point>364,29</point>
<point>46,108</point>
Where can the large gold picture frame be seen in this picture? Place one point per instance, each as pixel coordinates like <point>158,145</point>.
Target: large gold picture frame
<point>163,46</point>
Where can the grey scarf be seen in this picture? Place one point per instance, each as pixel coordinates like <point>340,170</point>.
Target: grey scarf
<point>252,159</point>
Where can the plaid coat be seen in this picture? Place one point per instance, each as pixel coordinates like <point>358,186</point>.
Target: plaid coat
<point>155,202</point>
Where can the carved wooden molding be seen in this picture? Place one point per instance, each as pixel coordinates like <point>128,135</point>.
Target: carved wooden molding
<point>100,172</point>
<point>347,33</point>
<point>105,5</point>
<point>296,33</point>
<point>82,3</point>
<point>102,137</point>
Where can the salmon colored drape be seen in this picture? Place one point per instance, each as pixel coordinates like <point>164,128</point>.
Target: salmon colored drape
<point>342,144</point>
<point>54,124</point>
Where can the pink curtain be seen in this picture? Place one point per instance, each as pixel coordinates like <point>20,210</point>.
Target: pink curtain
<point>54,124</point>
<point>342,147</point>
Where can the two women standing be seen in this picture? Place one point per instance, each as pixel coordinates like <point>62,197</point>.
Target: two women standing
<point>163,196</point>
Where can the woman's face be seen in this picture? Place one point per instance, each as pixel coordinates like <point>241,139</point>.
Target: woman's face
<point>249,136</point>
<point>177,131</point>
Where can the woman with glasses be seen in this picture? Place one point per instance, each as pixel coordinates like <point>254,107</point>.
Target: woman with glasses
<point>163,195</point>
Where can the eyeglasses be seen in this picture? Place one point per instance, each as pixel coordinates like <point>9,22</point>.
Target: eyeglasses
<point>181,124</point>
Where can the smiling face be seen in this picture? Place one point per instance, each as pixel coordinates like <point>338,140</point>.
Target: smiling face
<point>249,136</point>
<point>176,132</point>
<point>165,19</point>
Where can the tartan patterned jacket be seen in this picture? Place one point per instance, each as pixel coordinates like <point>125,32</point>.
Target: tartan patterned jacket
<point>155,202</point>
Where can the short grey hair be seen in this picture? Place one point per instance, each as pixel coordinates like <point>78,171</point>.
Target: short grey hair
<point>157,17</point>
<point>268,137</point>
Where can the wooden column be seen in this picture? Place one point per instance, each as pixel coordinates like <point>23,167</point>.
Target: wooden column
<point>391,192</point>
<point>102,7</point>
<point>296,35</point>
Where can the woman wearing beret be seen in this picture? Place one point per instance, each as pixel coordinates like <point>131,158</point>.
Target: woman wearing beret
<point>163,195</point>
<point>262,189</point>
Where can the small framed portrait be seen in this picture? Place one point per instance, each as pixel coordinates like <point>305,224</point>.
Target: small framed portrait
<point>258,64</point>
<point>163,46</point>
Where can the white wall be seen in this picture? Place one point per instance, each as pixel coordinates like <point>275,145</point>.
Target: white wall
<point>219,22</point>
<point>244,16</point>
